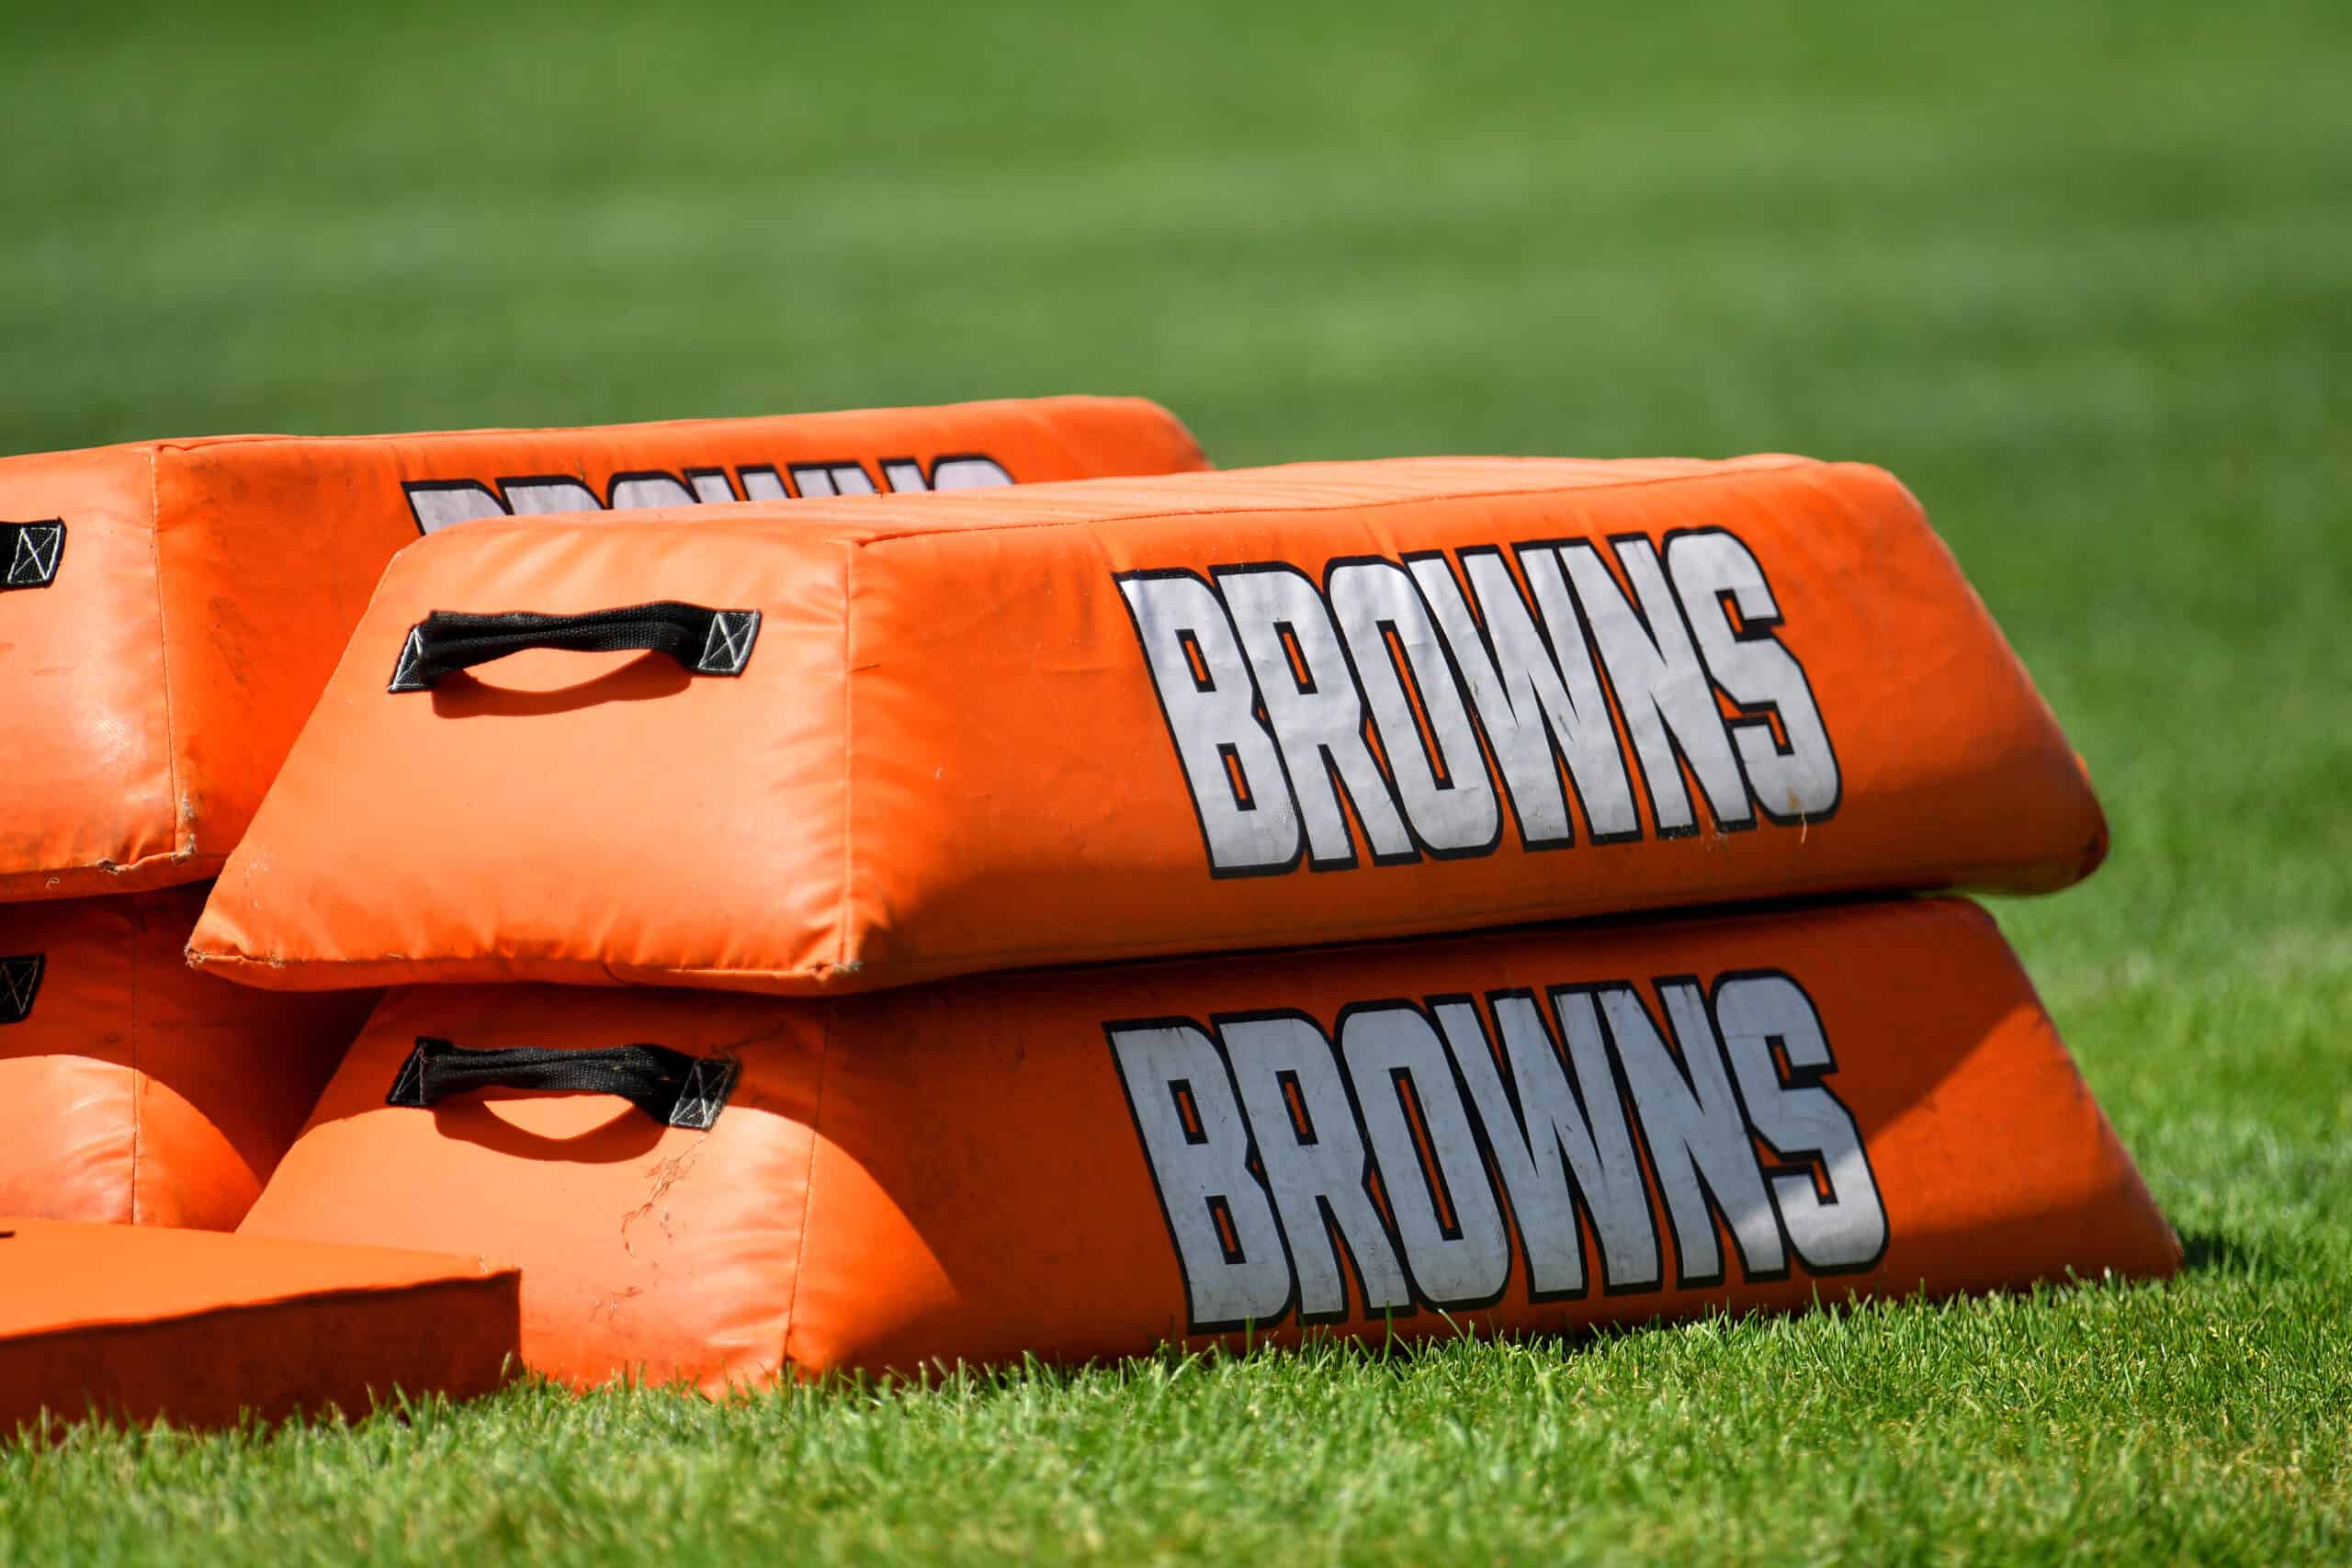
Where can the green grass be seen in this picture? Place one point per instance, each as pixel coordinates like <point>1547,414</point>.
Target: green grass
<point>2082,275</point>
<point>2007,1430</point>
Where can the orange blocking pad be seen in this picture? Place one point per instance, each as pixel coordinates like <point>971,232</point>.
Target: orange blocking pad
<point>169,610</point>
<point>1533,1131</point>
<point>941,734</point>
<point>134,1090</point>
<point>197,1327</point>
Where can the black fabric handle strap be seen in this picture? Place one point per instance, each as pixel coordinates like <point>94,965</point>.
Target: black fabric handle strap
<point>30,553</point>
<point>669,1086</point>
<point>705,641</point>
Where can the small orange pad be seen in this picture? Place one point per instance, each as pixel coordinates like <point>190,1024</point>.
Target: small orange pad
<point>169,610</point>
<point>197,1327</point>
<point>134,1090</point>
<point>1073,723</point>
<point>1531,1130</point>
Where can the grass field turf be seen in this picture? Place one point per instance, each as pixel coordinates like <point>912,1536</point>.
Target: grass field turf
<point>2083,275</point>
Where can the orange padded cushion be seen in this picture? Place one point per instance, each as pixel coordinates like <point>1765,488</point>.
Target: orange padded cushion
<point>1130,718</point>
<point>197,1327</point>
<point>135,1090</point>
<point>170,610</point>
<point>1534,1131</point>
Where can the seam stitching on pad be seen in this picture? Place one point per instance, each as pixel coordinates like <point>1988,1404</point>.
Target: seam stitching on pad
<point>138,1101</point>
<point>763,530</point>
<point>849,776</point>
<point>936,531</point>
<point>164,653</point>
<point>1957,886</point>
<point>807,1188</point>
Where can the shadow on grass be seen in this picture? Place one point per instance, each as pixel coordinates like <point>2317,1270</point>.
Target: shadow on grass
<point>2212,1252</point>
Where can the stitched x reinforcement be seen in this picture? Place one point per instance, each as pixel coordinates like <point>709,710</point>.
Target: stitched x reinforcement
<point>405,669</point>
<point>32,551</point>
<point>19,984</point>
<point>729,644</point>
<point>705,1094</point>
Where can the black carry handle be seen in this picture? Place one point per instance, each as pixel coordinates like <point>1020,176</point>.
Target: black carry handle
<point>669,1086</point>
<point>30,553</point>
<point>705,641</point>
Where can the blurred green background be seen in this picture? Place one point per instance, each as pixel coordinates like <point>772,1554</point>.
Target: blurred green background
<point>2081,274</point>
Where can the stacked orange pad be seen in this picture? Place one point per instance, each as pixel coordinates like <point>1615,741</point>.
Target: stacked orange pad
<point>874,746</point>
<point>1131,717</point>
<point>139,1091</point>
<point>198,1328</point>
<point>1538,1131</point>
<point>169,612</point>
<point>164,632</point>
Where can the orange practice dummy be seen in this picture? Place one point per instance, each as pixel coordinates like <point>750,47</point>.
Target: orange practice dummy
<point>196,1328</point>
<point>889,740</point>
<point>1531,1130</point>
<point>135,1090</point>
<point>169,610</point>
